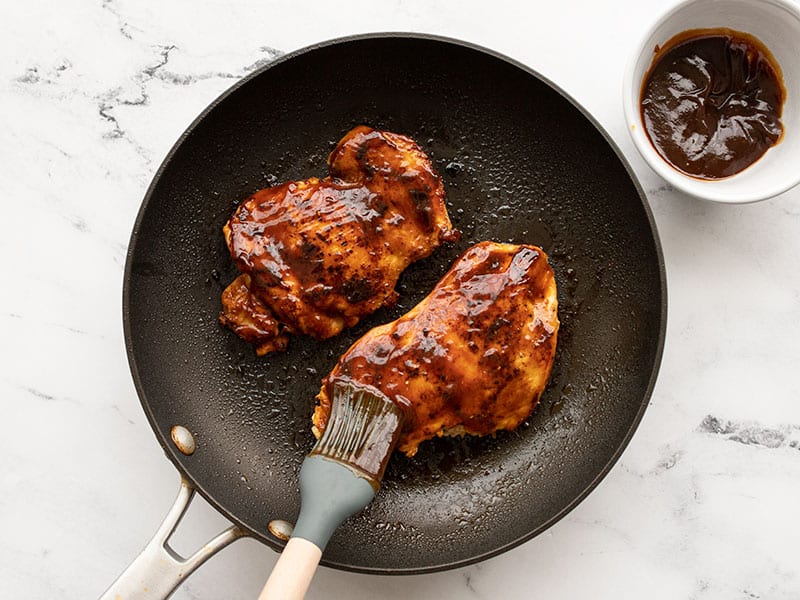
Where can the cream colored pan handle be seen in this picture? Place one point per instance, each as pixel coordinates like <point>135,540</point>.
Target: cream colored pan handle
<point>158,571</point>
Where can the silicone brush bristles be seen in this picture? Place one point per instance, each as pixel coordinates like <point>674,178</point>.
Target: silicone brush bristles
<point>362,431</point>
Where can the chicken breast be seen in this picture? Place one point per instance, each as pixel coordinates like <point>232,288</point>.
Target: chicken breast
<point>473,357</point>
<point>319,254</point>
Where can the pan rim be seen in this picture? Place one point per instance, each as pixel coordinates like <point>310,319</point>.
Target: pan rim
<point>164,439</point>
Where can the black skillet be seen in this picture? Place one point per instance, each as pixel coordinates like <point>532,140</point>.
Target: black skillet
<point>521,162</point>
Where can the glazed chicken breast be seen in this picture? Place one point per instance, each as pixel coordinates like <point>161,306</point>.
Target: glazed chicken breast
<point>317,255</point>
<point>473,357</point>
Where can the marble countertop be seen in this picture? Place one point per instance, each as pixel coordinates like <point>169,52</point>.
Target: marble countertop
<point>703,503</point>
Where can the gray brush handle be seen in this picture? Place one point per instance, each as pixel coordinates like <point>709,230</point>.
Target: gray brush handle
<point>329,493</point>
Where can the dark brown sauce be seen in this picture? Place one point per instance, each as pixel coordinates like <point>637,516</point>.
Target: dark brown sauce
<point>475,353</point>
<point>712,101</point>
<point>363,429</point>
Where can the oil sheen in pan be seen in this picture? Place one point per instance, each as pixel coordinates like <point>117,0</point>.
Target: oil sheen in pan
<point>520,164</point>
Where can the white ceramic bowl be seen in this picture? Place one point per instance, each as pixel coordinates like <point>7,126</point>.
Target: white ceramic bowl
<point>777,24</point>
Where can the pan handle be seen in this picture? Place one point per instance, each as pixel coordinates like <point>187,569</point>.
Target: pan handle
<point>158,571</point>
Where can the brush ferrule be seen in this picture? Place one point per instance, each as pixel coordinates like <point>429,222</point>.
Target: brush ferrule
<point>362,431</point>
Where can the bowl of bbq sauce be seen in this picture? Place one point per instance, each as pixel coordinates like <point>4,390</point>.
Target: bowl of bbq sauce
<point>712,98</point>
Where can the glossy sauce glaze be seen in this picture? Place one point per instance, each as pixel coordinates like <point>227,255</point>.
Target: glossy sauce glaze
<point>712,101</point>
<point>317,255</point>
<point>473,357</point>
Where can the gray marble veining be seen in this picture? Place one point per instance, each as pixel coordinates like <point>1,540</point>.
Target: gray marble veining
<point>703,503</point>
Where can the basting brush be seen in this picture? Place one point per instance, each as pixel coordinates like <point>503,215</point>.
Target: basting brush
<point>338,478</point>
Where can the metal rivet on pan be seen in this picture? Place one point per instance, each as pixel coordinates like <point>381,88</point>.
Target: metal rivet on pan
<point>281,529</point>
<point>183,439</point>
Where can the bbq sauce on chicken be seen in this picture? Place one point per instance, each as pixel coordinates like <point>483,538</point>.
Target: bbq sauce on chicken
<point>317,255</point>
<point>472,357</point>
<point>712,101</point>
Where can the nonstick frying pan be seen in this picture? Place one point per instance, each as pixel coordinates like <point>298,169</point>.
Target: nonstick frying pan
<point>521,162</point>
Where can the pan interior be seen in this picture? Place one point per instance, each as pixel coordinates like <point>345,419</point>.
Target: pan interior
<point>520,164</point>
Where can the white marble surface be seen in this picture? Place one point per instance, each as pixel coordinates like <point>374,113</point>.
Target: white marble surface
<point>704,502</point>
